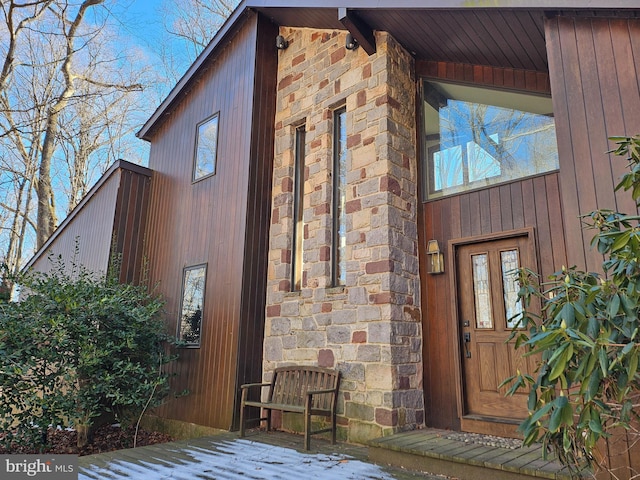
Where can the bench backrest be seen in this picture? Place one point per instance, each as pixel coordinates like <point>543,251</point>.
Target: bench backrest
<point>290,385</point>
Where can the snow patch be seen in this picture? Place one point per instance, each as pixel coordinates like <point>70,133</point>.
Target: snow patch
<point>237,459</point>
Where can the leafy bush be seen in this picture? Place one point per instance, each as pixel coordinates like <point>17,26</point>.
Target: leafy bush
<point>587,334</point>
<point>76,347</point>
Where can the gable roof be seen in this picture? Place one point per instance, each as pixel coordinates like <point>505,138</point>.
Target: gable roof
<point>500,33</point>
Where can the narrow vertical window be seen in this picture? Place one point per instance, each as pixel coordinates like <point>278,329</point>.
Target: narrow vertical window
<point>192,305</point>
<point>298,208</point>
<point>339,270</point>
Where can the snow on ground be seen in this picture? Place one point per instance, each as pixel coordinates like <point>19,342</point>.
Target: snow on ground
<point>237,459</point>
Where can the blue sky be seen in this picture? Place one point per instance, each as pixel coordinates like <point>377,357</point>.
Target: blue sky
<point>141,19</point>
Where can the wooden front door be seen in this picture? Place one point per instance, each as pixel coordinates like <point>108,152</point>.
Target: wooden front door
<point>487,303</point>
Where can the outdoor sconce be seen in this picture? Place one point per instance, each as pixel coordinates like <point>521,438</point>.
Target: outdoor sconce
<point>351,43</point>
<point>436,258</point>
<point>281,43</point>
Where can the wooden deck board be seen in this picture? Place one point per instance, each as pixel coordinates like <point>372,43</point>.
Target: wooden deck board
<point>471,459</point>
<point>225,455</point>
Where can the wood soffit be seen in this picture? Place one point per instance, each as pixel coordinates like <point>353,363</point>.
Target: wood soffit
<point>507,34</point>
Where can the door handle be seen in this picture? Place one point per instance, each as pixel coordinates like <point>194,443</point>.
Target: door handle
<point>467,341</point>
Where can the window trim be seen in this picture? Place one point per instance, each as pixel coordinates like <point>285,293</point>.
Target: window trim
<point>195,179</point>
<point>180,310</point>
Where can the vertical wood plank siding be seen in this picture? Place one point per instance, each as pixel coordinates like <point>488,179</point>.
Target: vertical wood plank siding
<point>596,94</point>
<point>216,221</point>
<point>509,78</point>
<point>596,62</point>
<point>107,222</point>
<point>256,244</point>
<point>93,237</point>
<point>532,202</point>
<point>129,222</point>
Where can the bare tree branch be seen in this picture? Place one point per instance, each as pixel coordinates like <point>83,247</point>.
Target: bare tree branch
<point>68,89</point>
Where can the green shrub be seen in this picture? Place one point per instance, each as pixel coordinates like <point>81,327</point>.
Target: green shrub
<point>76,347</point>
<point>587,384</point>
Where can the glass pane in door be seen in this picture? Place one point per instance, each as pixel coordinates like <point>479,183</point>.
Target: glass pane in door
<point>510,286</point>
<point>482,291</point>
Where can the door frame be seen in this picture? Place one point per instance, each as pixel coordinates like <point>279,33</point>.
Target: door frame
<point>476,425</point>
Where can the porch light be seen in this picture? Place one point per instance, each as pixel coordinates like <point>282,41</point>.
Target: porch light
<point>351,43</point>
<point>281,43</point>
<point>436,258</point>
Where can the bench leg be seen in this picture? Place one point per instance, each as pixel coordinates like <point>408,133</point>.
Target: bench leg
<point>242,420</point>
<point>333,429</point>
<point>307,431</point>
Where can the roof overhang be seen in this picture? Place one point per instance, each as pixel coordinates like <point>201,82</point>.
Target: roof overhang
<point>500,33</point>
<point>117,165</point>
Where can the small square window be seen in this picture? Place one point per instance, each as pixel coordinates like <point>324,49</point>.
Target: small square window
<point>192,305</point>
<point>206,148</point>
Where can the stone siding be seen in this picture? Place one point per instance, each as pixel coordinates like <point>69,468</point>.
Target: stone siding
<point>370,328</point>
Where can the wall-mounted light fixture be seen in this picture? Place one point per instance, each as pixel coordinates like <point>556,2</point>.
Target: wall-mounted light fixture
<point>350,43</point>
<point>281,43</point>
<point>436,258</point>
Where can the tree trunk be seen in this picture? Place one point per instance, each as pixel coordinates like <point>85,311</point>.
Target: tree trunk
<point>46,205</point>
<point>46,222</point>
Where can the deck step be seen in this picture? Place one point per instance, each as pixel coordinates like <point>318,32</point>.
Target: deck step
<point>440,452</point>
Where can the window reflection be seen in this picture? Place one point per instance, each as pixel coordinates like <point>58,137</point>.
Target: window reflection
<point>339,260</point>
<point>206,148</point>
<point>298,209</point>
<point>510,286</point>
<point>192,305</point>
<point>476,137</point>
<point>482,291</point>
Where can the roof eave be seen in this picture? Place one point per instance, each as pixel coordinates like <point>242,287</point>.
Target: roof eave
<point>235,18</point>
<point>450,4</point>
<point>227,28</point>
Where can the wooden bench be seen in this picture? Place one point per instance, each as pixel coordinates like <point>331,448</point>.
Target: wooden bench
<point>298,389</point>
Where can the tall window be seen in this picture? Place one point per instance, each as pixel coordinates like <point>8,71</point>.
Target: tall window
<point>475,137</point>
<point>192,305</point>
<point>206,148</point>
<point>298,208</point>
<point>338,257</point>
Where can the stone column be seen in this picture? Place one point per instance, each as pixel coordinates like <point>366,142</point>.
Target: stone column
<point>370,329</point>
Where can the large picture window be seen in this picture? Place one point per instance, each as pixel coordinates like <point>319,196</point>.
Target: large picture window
<point>192,305</point>
<point>475,137</point>
<point>206,148</point>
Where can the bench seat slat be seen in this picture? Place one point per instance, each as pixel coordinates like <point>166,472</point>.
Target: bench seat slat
<point>288,408</point>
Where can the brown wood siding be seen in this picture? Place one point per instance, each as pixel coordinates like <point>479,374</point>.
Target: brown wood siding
<point>595,64</point>
<point>108,221</point>
<point>533,202</point>
<point>129,223</point>
<point>529,203</point>
<point>251,334</point>
<point>91,230</point>
<point>206,222</point>
<point>508,78</point>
